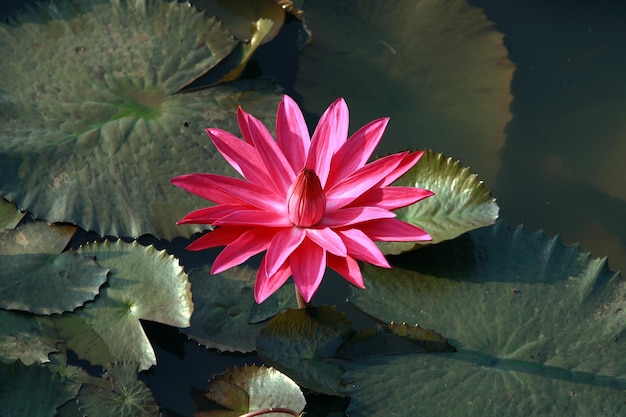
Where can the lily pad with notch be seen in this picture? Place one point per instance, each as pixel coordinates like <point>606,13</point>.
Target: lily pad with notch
<point>538,327</point>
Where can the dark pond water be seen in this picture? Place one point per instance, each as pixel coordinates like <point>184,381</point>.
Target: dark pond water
<point>560,161</point>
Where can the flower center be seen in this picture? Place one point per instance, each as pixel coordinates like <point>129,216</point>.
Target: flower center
<point>306,202</point>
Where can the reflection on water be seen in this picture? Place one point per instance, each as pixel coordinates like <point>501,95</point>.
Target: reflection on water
<point>562,165</point>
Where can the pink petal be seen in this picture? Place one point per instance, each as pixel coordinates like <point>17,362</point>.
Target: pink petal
<point>240,155</point>
<point>351,187</point>
<point>393,230</point>
<point>194,184</point>
<point>279,169</point>
<point>391,198</point>
<point>248,244</point>
<point>347,267</point>
<point>281,247</point>
<point>356,151</point>
<point>352,215</point>
<point>226,190</point>
<point>254,218</point>
<point>308,263</point>
<point>406,164</point>
<point>242,120</point>
<point>328,239</point>
<point>360,246</point>
<point>265,285</point>
<point>292,133</point>
<point>209,215</point>
<point>221,236</point>
<point>330,134</point>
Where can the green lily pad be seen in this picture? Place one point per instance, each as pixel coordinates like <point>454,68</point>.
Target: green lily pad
<point>35,277</point>
<point>143,284</point>
<point>93,123</point>
<point>253,388</point>
<point>10,215</point>
<point>301,344</point>
<point>33,390</point>
<point>438,68</point>
<point>25,337</point>
<point>538,327</point>
<point>120,393</point>
<point>225,316</point>
<point>461,202</point>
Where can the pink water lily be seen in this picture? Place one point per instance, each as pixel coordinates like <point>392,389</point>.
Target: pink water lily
<point>308,202</point>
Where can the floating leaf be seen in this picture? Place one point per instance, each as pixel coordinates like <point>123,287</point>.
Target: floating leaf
<point>25,337</point>
<point>253,388</point>
<point>538,327</point>
<point>10,215</point>
<point>301,344</point>
<point>35,277</point>
<point>92,121</point>
<point>120,394</point>
<point>143,284</point>
<point>438,68</point>
<point>461,202</point>
<point>33,390</point>
<point>224,304</point>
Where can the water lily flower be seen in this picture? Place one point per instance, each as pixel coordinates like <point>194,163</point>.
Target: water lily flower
<point>308,202</point>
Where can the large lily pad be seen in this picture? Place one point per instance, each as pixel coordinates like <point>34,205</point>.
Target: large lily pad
<point>538,327</point>
<point>438,68</point>
<point>253,388</point>
<point>35,277</point>
<point>92,121</point>
<point>225,316</point>
<point>461,202</point>
<point>144,284</point>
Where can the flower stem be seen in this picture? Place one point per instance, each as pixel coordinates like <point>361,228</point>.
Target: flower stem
<point>270,410</point>
<point>300,300</point>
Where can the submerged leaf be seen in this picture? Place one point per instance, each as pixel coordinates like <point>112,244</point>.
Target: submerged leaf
<point>438,68</point>
<point>92,121</point>
<point>393,339</point>
<point>538,327</point>
<point>254,22</point>
<point>35,277</point>
<point>225,316</point>
<point>253,388</point>
<point>301,344</point>
<point>143,284</point>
